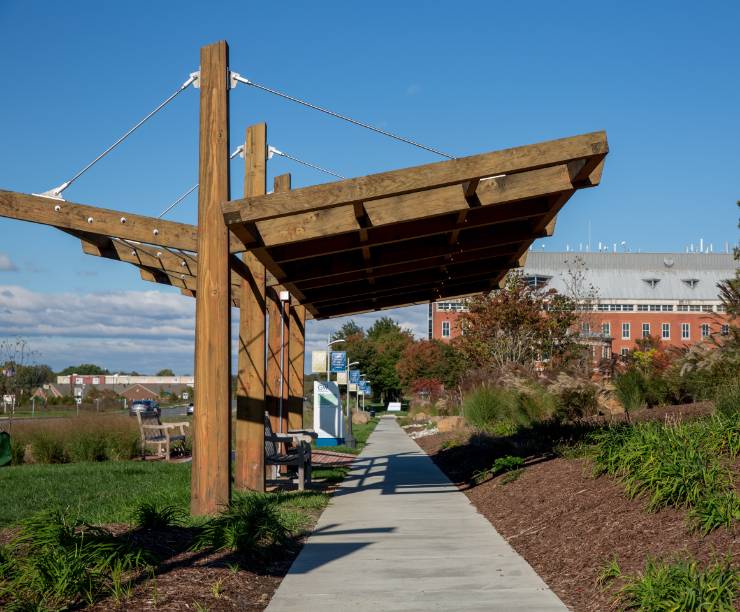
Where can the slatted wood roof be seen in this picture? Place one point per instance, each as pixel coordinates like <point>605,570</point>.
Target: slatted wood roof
<point>415,235</point>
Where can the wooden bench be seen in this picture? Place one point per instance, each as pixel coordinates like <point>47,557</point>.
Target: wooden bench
<point>155,433</point>
<point>297,453</point>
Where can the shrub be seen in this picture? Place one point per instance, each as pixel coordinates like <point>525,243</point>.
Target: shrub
<point>577,401</point>
<point>630,390</point>
<point>727,400</point>
<point>682,586</point>
<point>500,411</point>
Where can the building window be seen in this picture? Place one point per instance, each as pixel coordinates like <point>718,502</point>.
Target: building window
<point>695,308</point>
<point>642,307</point>
<point>645,330</point>
<point>721,308</point>
<point>445,329</point>
<point>706,308</point>
<point>625,352</point>
<point>606,329</point>
<point>96,380</point>
<point>685,331</point>
<point>537,281</point>
<point>625,331</point>
<point>78,381</point>
<point>585,327</point>
<point>605,352</point>
<point>665,331</point>
<point>724,330</point>
<point>704,330</point>
<point>667,307</point>
<point>683,308</point>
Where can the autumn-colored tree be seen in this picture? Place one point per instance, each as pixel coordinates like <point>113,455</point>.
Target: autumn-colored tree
<point>430,360</point>
<point>517,326</point>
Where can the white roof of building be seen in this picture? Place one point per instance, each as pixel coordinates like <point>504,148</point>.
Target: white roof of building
<point>632,275</point>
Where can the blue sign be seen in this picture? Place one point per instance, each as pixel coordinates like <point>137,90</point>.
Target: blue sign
<point>337,361</point>
<point>364,387</point>
<point>354,376</point>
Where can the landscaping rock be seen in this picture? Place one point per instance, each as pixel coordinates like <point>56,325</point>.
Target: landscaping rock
<point>360,418</point>
<point>452,423</point>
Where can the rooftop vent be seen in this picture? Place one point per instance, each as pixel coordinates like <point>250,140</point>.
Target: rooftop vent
<point>691,282</point>
<point>652,281</point>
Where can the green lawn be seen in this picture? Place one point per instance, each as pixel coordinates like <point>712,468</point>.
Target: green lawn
<point>104,492</point>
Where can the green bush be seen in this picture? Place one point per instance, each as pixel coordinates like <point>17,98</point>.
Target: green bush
<point>501,411</point>
<point>578,401</point>
<point>682,586</point>
<point>149,515</point>
<point>727,400</point>
<point>630,390</point>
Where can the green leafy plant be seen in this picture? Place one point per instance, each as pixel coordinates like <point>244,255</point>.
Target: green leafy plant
<point>149,515</point>
<point>56,561</point>
<point>251,524</point>
<point>682,586</point>
<point>609,572</point>
<point>630,390</point>
<point>727,400</point>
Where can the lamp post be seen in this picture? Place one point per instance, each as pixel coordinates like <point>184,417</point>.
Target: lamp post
<point>364,377</point>
<point>350,438</point>
<point>329,344</point>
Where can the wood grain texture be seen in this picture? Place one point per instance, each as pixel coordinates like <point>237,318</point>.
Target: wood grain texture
<point>297,352</point>
<point>211,474</point>
<point>249,469</point>
<point>592,146</point>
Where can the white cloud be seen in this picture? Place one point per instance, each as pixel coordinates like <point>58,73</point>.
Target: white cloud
<point>6,264</point>
<point>138,330</point>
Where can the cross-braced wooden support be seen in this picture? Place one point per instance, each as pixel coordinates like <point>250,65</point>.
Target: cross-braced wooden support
<point>211,478</point>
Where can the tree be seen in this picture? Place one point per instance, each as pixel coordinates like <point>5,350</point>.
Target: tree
<point>430,360</point>
<point>349,330</point>
<point>165,372</point>
<point>84,369</point>
<point>517,326</point>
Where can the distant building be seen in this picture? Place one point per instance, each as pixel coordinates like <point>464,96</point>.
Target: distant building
<point>670,295</point>
<point>78,385</point>
<point>139,392</point>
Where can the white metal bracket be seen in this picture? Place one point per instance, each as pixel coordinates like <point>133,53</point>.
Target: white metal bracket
<point>196,79</point>
<point>54,194</point>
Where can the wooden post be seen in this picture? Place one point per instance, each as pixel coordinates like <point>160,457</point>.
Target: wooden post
<point>211,478</point>
<point>282,183</point>
<point>274,343</point>
<point>295,369</point>
<point>249,472</point>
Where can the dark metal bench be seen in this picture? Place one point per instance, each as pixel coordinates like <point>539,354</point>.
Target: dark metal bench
<point>297,451</point>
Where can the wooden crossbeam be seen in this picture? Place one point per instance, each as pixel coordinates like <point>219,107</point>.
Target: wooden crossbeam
<point>592,147</point>
<point>407,210</point>
<point>103,222</point>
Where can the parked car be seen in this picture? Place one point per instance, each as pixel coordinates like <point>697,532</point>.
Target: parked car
<point>190,408</point>
<point>145,408</point>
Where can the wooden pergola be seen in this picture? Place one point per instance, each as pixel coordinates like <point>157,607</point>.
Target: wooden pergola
<point>404,237</point>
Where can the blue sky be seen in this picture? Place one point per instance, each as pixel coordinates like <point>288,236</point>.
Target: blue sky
<point>465,77</point>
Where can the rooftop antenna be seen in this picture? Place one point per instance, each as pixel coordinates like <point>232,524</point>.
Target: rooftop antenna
<point>624,245</point>
<point>701,245</point>
<point>615,247</point>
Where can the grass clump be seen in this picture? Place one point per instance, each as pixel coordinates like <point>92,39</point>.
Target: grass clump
<point>250,525</point>
<point>501,412</point>
<point>509,463</point>
<point>57,562</point>
<point>682,586</point>
<point>150,515</point>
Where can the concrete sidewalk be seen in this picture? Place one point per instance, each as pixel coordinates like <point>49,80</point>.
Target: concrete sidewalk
<point>398,535</point>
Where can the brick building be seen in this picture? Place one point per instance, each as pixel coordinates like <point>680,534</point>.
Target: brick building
<point>670,295</point>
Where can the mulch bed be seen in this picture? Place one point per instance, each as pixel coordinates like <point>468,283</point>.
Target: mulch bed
<point>187,580</point>
<point>568,525</point>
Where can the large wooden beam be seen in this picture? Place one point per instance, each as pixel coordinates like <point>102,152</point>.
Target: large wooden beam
<point>249,470</point>
<point>413,207</point>
<point>592,147</point>
<point>211,474</point>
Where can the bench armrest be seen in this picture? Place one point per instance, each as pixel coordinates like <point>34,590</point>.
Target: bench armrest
<point>178,424</point>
